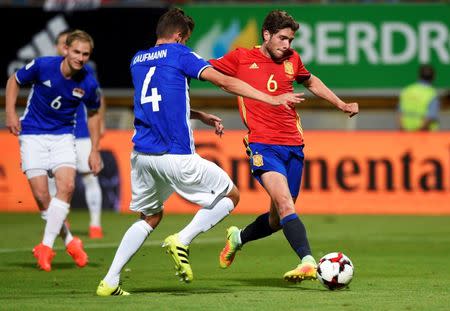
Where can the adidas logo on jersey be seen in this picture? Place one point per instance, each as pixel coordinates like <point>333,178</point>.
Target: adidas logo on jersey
<point>42,44</point>
<point>253,66</point>
<point>47,83</point>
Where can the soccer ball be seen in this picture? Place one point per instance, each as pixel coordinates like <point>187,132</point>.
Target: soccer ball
<point>335,271</point>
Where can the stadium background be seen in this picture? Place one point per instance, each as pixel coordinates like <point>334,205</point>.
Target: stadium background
<point>361,165</point>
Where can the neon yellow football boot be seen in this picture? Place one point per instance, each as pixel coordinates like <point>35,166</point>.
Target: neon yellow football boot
<point>104,290</point>
<point>180,256</point>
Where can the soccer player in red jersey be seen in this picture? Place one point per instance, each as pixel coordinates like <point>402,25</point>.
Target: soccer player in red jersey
<point>275,139</point>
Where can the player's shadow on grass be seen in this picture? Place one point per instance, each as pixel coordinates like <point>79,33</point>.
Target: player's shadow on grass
<point>275,282</point>
<point>55,265</point>
<point>180,291</point>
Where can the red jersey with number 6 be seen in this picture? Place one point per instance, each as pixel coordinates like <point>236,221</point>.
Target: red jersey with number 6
<point>267,124</point>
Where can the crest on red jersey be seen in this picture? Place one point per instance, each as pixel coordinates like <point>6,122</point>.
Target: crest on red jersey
<point>288,67</point>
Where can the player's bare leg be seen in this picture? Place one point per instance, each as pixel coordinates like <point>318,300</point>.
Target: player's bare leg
<point>39,188</point>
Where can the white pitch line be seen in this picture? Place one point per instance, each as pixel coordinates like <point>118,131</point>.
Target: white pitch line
<point>397,239</point>
<point>108,245</point>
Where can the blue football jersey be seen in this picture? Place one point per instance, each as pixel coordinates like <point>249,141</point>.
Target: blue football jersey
<point>81,126</point>
<point>53,99</point>
<point>161,77</point>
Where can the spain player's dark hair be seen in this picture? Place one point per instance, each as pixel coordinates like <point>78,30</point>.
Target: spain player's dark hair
<point>277,20</point>
<point>173,21</point>
<point>80,35</point>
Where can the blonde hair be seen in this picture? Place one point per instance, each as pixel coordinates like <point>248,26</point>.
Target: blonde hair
<point>80,35</point>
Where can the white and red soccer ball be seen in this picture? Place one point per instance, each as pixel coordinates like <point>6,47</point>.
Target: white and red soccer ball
<point>335,271</point>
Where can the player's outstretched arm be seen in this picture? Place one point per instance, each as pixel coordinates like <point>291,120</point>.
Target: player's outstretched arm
<point>209,119</point>
<point>95,161</point>
<point>318,88</point>
<point>11,93</point>
<point>241,88</point>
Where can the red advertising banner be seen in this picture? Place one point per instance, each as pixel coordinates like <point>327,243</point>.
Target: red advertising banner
<point>345,173</point>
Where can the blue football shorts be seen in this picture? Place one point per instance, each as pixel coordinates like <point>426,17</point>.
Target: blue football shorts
<point>286,160</point>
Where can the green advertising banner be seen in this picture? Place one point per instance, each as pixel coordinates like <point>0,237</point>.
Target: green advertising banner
<point>360,49</point>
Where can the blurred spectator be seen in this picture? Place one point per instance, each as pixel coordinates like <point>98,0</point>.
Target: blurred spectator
<point>419,103</point>
<point>70,5</point>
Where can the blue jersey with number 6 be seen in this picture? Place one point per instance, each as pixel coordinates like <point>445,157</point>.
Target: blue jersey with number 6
<point>53,99</point>
<point>161,78</point>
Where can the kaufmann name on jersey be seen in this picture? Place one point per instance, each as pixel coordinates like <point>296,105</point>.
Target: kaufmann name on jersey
<point>150,56</point>
<point>161,78</point>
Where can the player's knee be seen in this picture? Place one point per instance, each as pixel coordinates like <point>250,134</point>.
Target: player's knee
<point>153,220</point>
<point>234,195</point>
<point>66,188</point>
<point>284,205</point>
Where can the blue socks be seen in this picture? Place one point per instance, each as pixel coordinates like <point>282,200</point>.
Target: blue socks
<point>295,233</point>
<point>256,230</point>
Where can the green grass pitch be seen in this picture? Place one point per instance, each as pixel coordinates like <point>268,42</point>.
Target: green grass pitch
<point>401,263</point>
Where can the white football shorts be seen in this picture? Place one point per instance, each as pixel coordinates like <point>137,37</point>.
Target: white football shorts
<point>155,177</point>
<point>47,152</point>
<point>83,149</point>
